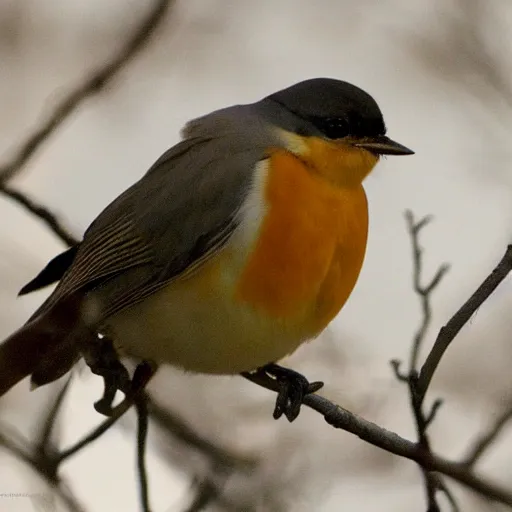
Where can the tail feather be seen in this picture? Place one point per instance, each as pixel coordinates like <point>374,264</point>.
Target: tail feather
<point>45,347</point>
<point>21,353</point>
<point>56,364</point>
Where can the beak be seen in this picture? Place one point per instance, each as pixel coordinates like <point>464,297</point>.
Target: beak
<point>382,145</point>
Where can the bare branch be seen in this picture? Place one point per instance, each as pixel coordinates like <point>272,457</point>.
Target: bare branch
<point>45,436</point>
<point>206,492</point>
<point>94,84</point>
<point>142,434</point>
<point>431,416</point>
<point>460,318</point>
<point>418,385</point>
<point>419,452</point>
<point>341,418</point>
<point>41,212</point>
<point>96,433</point>
<point>441,487</point>
<point>433,483</point>
<point>14,443</point>
<point>177,428</point>
<point>489,437</point>
<point>423,291</point>
<point>431,487</point>
<point>222,461</point>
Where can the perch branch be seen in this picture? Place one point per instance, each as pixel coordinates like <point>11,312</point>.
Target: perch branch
<point>341,418</point>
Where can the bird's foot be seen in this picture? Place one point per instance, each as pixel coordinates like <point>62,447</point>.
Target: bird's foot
<point>103,360</point>
<point>290,385</point>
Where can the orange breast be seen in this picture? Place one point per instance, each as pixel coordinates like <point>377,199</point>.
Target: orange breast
<point>310,248</point>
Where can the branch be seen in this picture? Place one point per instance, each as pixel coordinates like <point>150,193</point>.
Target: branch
<point>14,443</point>
<point>206,493</point>
<point>460,318</point>
<point>177,428</point>
<point>389,441</point>
<point>424,292</point>
<point>442,488</point>
<point>222,461</point>
<point>142,435</point>
<point>341,418</point>
<point>42,457</point>
<point>94,84</point>
<point>488,438</point>
<point>95,433</point>
<point>45,450</point>
<point>433,483</point>
<point>41,212</point>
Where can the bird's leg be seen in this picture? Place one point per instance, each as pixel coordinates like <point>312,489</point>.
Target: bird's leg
<point>141,376</point>
<point>292,387</point>
<point>101,357</point>
<point>103,360</point>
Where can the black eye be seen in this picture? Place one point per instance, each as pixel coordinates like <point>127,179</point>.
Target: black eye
<point>333,127</point>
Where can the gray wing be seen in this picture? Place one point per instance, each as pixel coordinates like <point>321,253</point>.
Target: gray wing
<point>167,223</point>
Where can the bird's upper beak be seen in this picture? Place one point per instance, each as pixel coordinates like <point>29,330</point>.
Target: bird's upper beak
<point>382,145</point>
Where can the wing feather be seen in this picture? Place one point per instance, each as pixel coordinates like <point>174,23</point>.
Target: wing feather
<point>166,225</point>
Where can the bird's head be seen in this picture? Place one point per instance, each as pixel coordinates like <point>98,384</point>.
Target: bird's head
<point>334,124</point>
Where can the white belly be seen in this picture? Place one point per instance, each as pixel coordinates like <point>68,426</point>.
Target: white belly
<point>209,333</point>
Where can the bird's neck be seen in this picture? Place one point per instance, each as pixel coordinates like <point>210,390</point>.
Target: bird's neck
<point>340,163</point>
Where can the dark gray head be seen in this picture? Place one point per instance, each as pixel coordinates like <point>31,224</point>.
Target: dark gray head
<point>336,110</point>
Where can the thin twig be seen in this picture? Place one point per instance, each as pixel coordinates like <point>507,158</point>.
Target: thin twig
<point>44,442</point>
<point>94,83</point>
<point>442,488</point>
<point>460,318</point>
<point>96,433</point>
<point>433,483</point>
<point>44,453</point>
<point>209,490</point>
<point>142,434</point>
<point>341,418</point>
<point>41,212</point>
<point>423,291</point>
<point>178,429</point>
<point>14,443</point>
<point>431,488</point>
<point>488,438</point>
<point>205,494</point>
<point>221,460</point>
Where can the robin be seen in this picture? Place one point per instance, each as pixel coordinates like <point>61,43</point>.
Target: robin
<point>239,244</point>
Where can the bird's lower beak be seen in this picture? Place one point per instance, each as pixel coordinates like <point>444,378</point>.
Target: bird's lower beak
<point>382,145</point>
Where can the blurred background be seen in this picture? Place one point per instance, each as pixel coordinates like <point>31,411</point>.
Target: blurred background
<point>440,70</point>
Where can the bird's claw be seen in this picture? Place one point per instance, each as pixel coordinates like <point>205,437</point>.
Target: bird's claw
<point>103,360</point>
<point>293,387</point>
<point>114,379</point>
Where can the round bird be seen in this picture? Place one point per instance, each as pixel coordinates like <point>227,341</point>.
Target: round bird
<point>239,244</point>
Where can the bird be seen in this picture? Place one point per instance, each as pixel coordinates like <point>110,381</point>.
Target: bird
<point>239,244</point>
